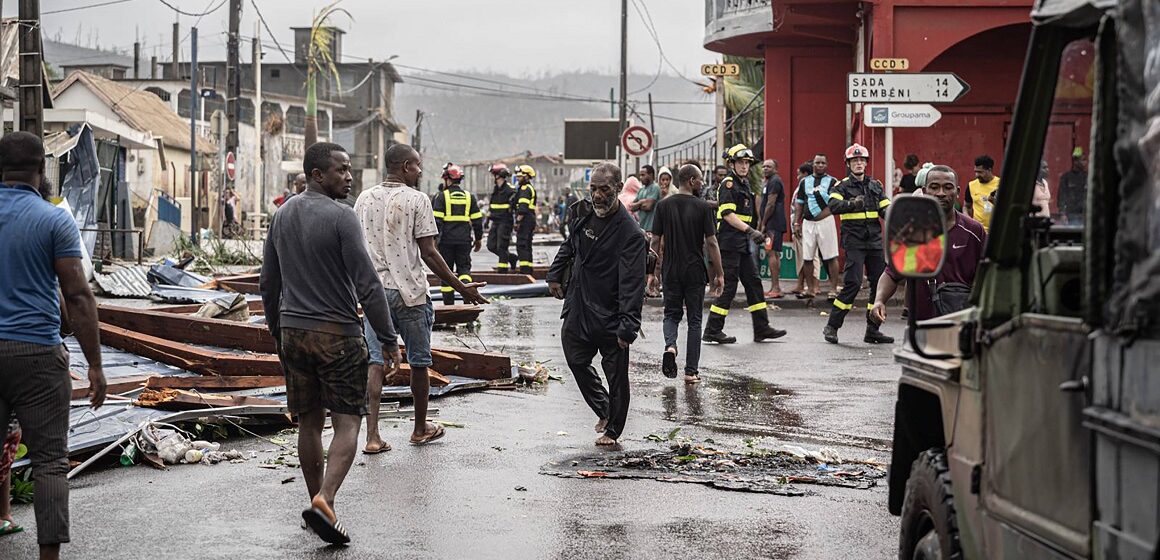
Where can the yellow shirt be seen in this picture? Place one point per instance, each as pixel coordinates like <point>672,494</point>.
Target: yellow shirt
<point>979,193</point>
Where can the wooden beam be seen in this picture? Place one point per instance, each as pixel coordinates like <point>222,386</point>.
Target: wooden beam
<point>444,314</point>
<point>115,385</point>
<point>178,399</point>
<point>539,272</point>
<point>492,278</point>
<point>191,329</point>
<point>214,382</point>
<point>189,358</point>
<point>239,287</point>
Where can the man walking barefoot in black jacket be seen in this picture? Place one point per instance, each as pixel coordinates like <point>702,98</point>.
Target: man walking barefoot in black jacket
<point>604,261</point>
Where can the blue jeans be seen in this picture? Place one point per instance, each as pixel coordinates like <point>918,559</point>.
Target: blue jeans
<point>413,325</point>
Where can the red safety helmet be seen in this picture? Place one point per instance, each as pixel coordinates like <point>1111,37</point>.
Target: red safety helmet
<point>500,170</point>
<point>856,150</point>
<point>453,172</point>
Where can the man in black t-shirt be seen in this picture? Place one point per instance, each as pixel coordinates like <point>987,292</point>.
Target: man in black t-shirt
<point>682,227</point>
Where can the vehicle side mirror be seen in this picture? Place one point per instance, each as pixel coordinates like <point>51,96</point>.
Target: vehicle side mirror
<point>916,239</point>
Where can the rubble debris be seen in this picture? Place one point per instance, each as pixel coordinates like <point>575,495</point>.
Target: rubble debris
<point>229,308</point>
<point>187,357</point>
<point>537,289</point>
<point>491,279</point>
<point>776,471</point>
<point>402,378</point>
<point>213,382</point>
<point>124,282</point>
<point>180,399</point>
<point>166,274</point>
<point>539,272</point>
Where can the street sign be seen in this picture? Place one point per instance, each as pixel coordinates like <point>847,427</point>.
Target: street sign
<point>900,116</point>
<point>231,166</point>
<point>587,175</point>
<point>720,69</point>
<point>636,140</point>
<point>889,64</point>
<point>934,87</point>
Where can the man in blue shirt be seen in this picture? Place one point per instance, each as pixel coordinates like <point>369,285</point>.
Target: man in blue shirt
<point>39,247</point>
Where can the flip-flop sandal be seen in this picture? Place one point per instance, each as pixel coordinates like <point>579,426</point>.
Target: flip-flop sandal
<point>428,438</point>
<point>9,528</point>
<point>386,447</point>
<point>669,364</point>
<point>805,295</point>
<point>333,533</point>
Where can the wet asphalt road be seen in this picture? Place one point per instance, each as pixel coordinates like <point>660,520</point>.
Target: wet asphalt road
<point>459,498</point>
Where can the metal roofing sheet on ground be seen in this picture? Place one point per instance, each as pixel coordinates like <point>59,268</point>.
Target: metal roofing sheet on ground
<point>125,282</point>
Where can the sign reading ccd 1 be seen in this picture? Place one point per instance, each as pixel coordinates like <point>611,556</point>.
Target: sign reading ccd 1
<point>889,64</point>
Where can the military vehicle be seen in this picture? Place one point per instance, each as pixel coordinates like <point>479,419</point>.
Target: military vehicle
<point>1028,425</point>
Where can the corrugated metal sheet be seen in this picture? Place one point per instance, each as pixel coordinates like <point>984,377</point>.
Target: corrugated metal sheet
<point>126,282</point>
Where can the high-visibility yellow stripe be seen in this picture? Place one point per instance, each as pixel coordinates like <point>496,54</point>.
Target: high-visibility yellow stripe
<point>757,307</point>
<point>883,203</point>
<point>446,289</point>
<point>869,306</point>
<point>438,214</point>
<point>454,218</point>
<point>744,218</point>
<point>718,310</point>
<point>503,265</point>
<point>859,216</point>
<point>837,196</point>
<point>527,263</point>
<point>527,201</point>
<point>464,277</point>
<point>847,306</point>
<point>500,206</point>
<point>477,216</point>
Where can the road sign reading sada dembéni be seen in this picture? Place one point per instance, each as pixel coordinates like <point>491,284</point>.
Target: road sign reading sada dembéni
<point>931,87</point>
<point>919,115</point>
<point>636,140</point>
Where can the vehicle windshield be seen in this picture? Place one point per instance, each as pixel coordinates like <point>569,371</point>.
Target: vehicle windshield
<point>1061,186</point>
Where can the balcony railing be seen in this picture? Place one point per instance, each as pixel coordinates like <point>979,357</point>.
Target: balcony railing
<point>717,9</point>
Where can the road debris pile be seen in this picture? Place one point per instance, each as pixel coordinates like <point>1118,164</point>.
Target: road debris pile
<point>778,471</point>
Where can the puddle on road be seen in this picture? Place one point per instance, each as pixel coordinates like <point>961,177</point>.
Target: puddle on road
<point>584,537</point>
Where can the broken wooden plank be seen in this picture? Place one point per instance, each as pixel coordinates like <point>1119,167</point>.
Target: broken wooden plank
<point>80,389</point>
<point>491,278</point>
<point>239,287</point>
<point>191,329</point>
<point>251,278</point>
<point>178,399</point>
<point>214,382</point>
<point>539,272</point>
<point>402,378</point>
<point>444,314</point>
<point>190,358</point>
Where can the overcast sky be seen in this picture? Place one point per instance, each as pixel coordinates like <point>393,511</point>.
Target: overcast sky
<point>519,37</point>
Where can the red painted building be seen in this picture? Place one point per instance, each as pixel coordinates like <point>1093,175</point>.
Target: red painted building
<point>809,46</point>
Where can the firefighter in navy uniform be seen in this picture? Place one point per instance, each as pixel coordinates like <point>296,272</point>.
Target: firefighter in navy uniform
<point>860,202</point>
<point>525,213</point>
<point>460,224</point>
<point>499,237</point>
<point>736,208</point>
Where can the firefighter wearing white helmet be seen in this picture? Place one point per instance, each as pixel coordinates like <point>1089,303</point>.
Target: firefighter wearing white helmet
<point>500,207</point>
<point>525,216</point>
<point>736,215</point>
<point>460,225</point>
<point>860,202</point>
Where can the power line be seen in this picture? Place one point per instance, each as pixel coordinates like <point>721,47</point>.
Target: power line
<point>270,32</point>
<point>656,38</point>
<point>85,7</point>
<point>191,14</point>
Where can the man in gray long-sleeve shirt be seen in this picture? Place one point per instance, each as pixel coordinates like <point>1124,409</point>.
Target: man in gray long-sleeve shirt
<point>315,272</point>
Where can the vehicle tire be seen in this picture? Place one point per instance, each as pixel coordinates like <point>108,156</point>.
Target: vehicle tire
<point>929,529</point>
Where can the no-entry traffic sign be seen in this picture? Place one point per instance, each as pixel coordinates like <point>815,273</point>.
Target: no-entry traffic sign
<point>636,140</point>
<point>932,87</point>
<point>920,115</point>
<point>231,166</point>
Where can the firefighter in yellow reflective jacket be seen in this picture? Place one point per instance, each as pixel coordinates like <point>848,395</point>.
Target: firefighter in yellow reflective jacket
<point>860,202</point>
<point>525,216</point>
<point>460,222</point>
<point>736,208</point>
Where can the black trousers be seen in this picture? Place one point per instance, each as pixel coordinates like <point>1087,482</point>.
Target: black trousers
<point>739,267</point>
<point>858,261</point>
<point>458,257</point>
<point>580,345</point>
<point>499,239</point>
<point>524,231</point>
<point>680,295</point>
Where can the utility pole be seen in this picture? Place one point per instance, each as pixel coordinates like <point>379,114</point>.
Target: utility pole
<point>195,100</point>
<point>137,60</point>
<point>260,176</point>
<point>720,110</point>
<point>177,54</point>
<point>652,126</point>
<point>623,75</point>
<point>417,142</point>
<point>31,69</point>
<point>233,89</point>
<point>612,103</point>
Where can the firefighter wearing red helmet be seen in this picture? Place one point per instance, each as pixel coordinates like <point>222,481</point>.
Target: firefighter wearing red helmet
<point>460,223</point>
<point>860,202</point>
<point>501,218</point>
